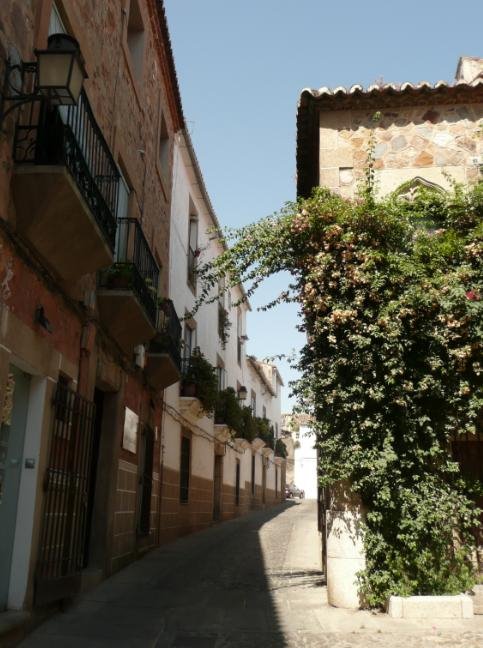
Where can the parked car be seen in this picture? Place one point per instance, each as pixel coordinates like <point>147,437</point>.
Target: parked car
<point>292,491</point>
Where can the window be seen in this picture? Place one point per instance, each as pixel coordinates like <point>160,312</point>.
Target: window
<point>221,376</point>
<point>56,26</point>
<point>264,412</point>
<point>164,148</point>
<point>253,403</point>
<point>122,197</point>
<point>136,38</point>
<point>276,480</point>
<point>184,469</point>
<point>239,341</point>
<point>221,292</point>
<point>122,232</point>
<point>237,483</point>
<point>253,474</point>
<point>189,340</point>
<point>192,250</point>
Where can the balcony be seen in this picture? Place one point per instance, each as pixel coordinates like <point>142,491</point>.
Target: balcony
<point>127,291</point>
<point>65,187</point>
<point>163,367</point>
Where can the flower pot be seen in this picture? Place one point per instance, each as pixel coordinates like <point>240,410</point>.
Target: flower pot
<point>188,389</point>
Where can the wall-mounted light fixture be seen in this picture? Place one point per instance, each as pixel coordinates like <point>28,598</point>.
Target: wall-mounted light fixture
<point>59,76</point>
<point>242,393</point>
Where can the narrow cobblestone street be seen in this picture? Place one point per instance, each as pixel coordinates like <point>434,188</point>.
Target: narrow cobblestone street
<point>251,582</point>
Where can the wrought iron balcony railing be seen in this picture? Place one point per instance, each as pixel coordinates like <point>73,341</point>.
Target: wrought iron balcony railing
<point>168,339</point>
<point>70,136</point>
<point>135,267</point>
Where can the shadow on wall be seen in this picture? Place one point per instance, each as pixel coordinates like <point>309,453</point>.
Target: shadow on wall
<point>204,590</point>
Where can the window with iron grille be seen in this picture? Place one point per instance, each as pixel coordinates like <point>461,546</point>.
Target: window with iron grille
<point>184,471</point>
<point>237,483</point>
<point>253,403</point>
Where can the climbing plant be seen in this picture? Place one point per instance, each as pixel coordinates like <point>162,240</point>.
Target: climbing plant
<point>390,294</point>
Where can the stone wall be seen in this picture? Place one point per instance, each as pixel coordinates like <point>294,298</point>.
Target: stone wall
<point>436,143</point>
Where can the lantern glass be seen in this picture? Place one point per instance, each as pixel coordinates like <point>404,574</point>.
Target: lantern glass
<point>61,71</point>
<point>242,393</point>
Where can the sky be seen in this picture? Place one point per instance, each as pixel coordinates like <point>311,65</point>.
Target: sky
<point>241,66</point>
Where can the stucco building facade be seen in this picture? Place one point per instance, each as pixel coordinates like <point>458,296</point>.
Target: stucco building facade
<point>228,475</point>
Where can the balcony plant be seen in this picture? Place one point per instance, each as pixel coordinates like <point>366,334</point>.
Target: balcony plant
<point>228,410</point>
<point>280,449</point>
<point>265,431</point>
<point>118,276</point>
<point>200,380</point>
<point>249,427</point>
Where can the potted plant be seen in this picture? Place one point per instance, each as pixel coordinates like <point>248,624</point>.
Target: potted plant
<point>118,276</point>
<point>200,380</point>
<point>228,410</point>
<point>280,449</point>
<point>265,431</point>
<point>249,429</point>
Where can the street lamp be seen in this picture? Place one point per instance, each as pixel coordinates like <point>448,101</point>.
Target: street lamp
<point>242,393</point>
<point>61,71</point>
<point>59,75</point>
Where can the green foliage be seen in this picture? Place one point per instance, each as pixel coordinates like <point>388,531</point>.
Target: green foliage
<point>202,375</point>
<point>249,427</point>
<point>241,420</point>
<point>264,431</point>
<point>390,294</point>
<point>280,449</point>
<point>228,410</point>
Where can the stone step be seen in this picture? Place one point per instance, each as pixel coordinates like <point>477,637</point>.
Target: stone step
<point>478,599</point>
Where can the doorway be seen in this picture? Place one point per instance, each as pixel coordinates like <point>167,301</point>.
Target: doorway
<point>67,487</point>
<point>13,419</point>
<point>217,483</point>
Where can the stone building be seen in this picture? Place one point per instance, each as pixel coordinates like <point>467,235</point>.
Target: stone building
<point>89,337</point>
<point>421,135</point>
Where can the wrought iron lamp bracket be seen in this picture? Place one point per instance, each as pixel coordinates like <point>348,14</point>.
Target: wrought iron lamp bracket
<point>12,88</point>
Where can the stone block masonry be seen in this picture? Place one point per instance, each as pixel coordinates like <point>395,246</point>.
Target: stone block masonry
<point>438,143</point>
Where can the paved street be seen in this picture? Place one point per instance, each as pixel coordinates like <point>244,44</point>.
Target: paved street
<point>252,582</point>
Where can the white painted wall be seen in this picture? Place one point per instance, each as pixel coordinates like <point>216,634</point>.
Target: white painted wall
<point>188,197</point>
<point>305,463</point>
